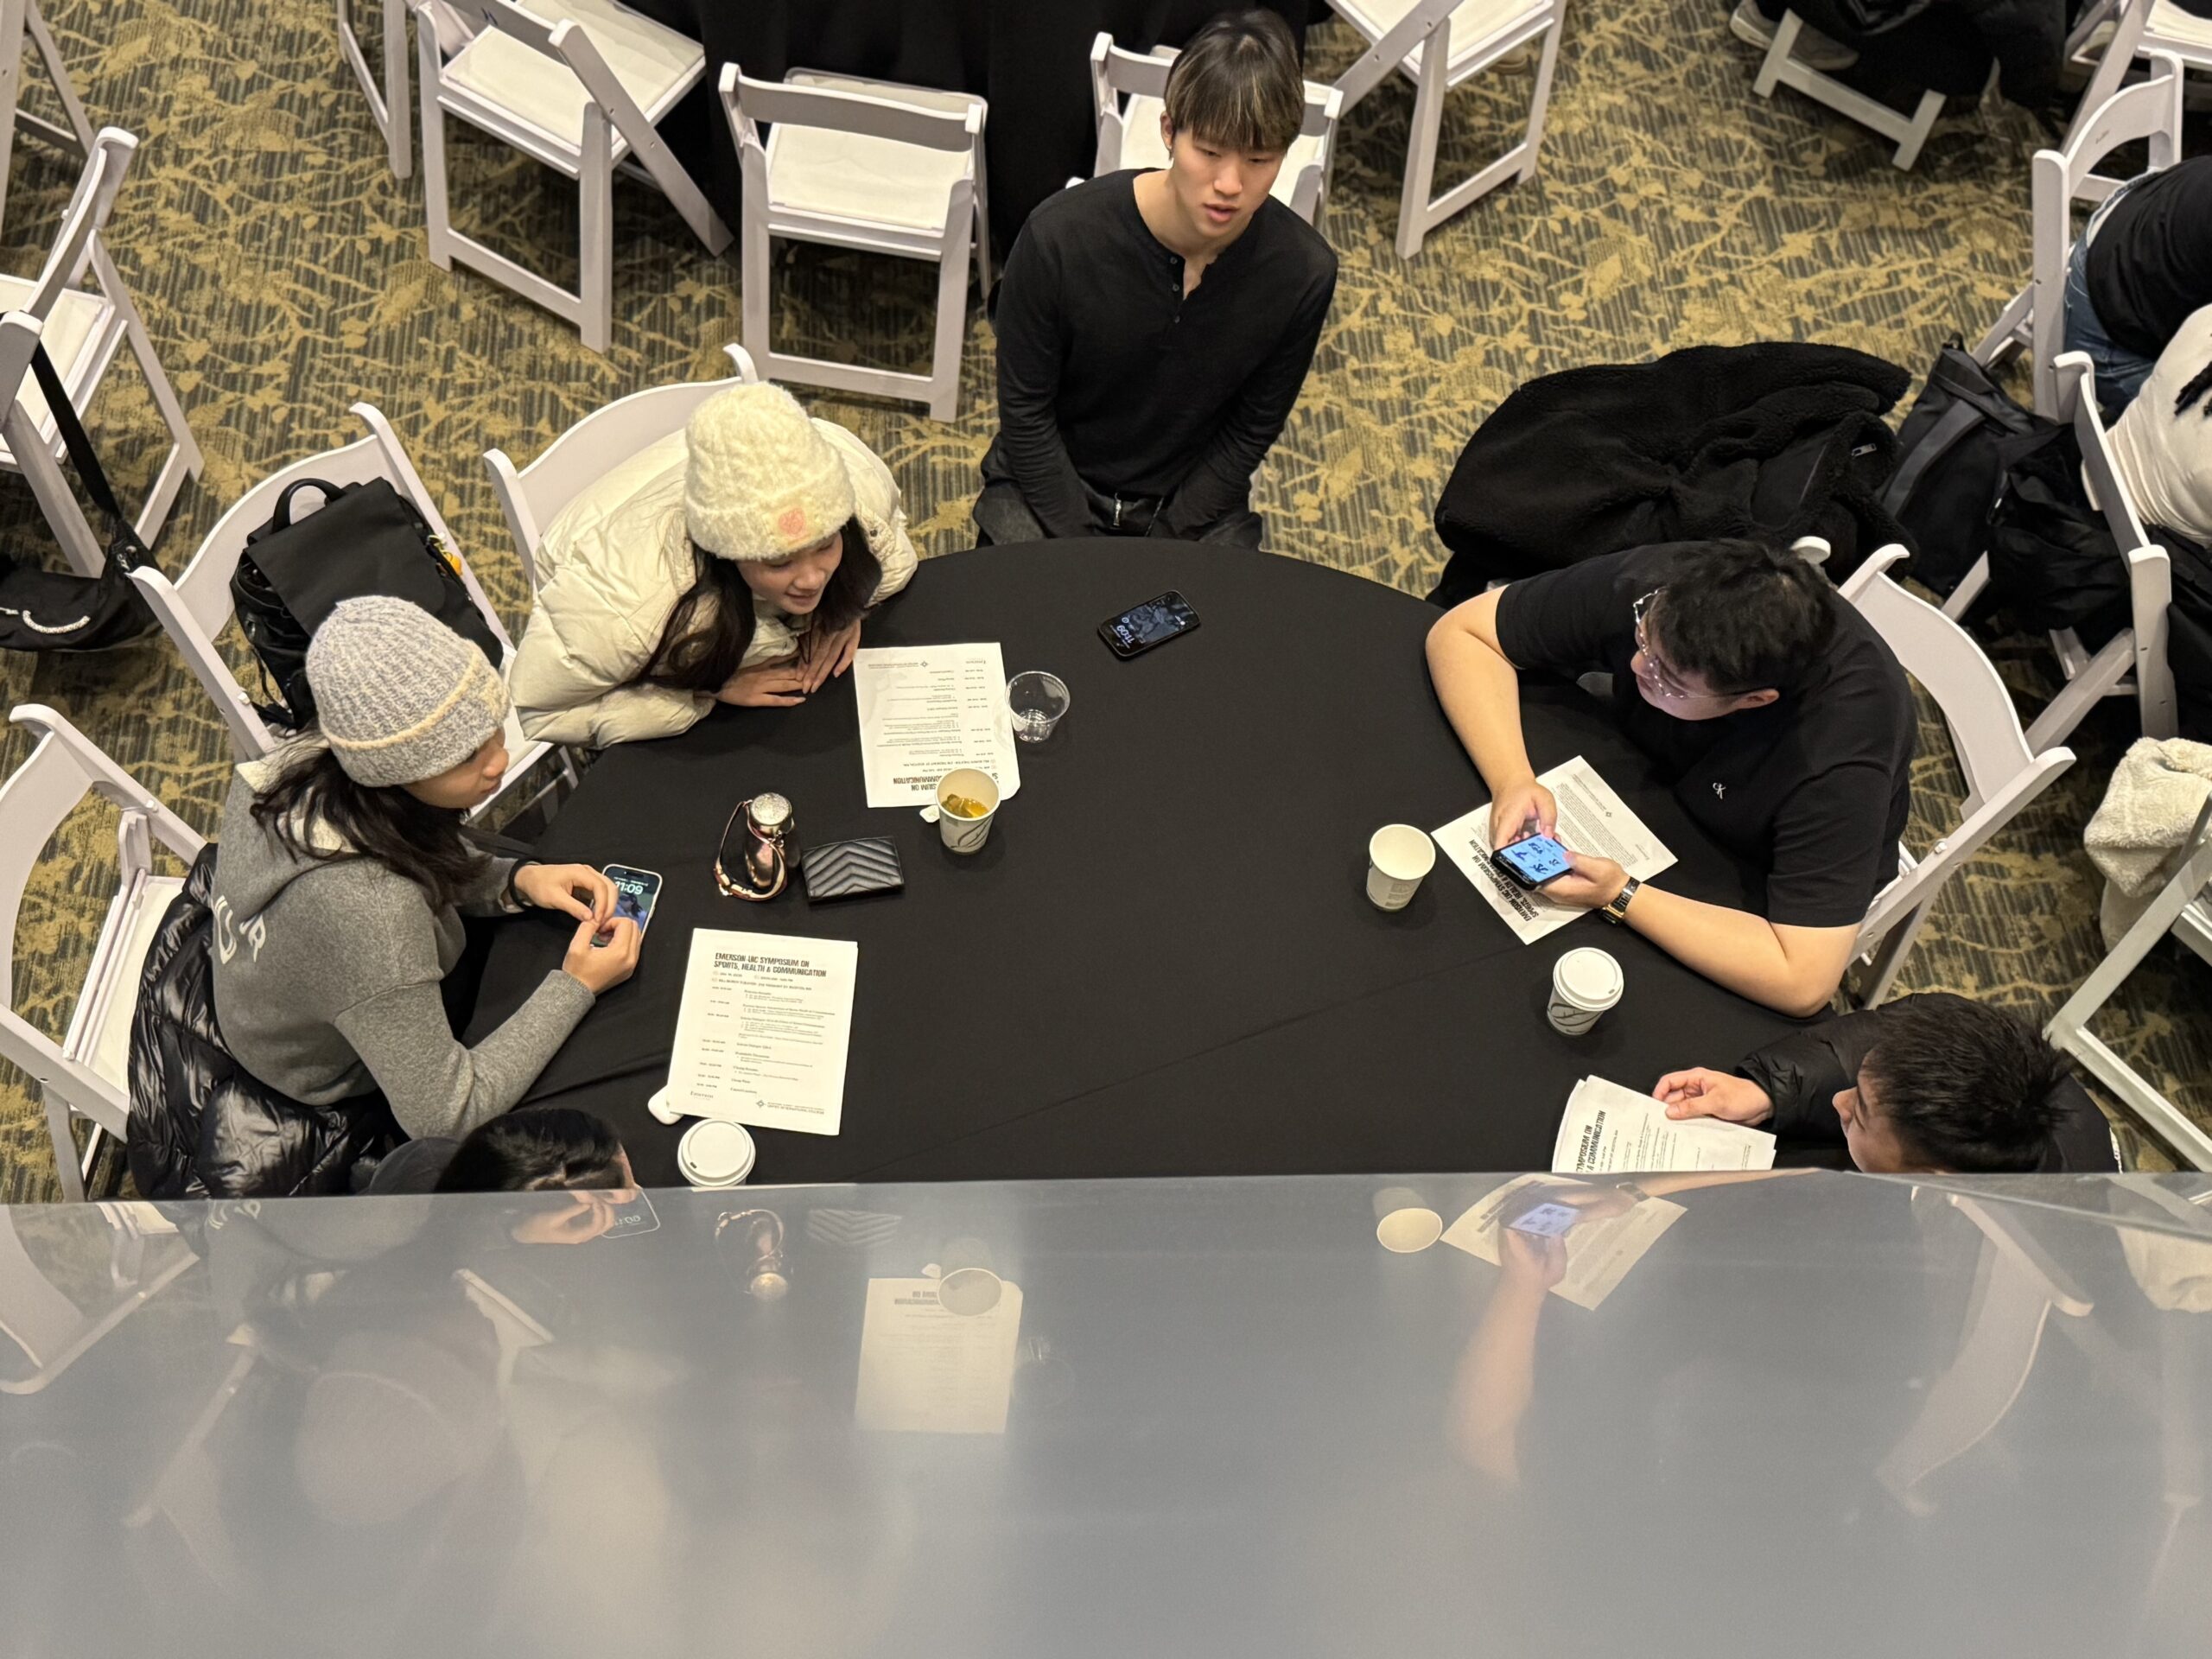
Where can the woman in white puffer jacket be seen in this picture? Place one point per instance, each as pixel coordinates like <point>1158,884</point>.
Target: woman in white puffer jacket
<point>2162,444</point>
<point>731,563</point>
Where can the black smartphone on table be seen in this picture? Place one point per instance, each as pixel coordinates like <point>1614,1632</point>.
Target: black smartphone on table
<point>1533,860</point>
<point>635,893</point>
<point>1140,627</point>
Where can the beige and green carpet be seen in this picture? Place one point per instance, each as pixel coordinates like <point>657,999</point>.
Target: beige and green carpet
<point>283,273</point>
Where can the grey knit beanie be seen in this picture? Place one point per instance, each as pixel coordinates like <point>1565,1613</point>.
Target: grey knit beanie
<point>400,696</point>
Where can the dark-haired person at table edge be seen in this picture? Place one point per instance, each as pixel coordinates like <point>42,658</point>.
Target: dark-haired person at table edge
<point>1931,1083</point>
<point>1154,328</point>
<point>1781,718</point>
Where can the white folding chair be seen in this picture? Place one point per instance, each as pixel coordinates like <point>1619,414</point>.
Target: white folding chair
<point>2137,28</point>
<point>19,19</point>
<point>2003,774</point>
<point>580,85</point>
<point>861,164</point>
<point>1908,131</point>
<point>532,496</point>
<point>2149,112</point>
<point>2132,662</point>
<point>2183,908</point>
<point>1468,36</point>
<point>194,607</point>
<point>388,106</point>
<point>1127,94</point>
<point>83,329</point>
<point>86,1073</point>
<point>47,1324</point>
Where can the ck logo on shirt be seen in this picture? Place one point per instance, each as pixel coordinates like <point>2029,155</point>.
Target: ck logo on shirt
<point>1719,792</point>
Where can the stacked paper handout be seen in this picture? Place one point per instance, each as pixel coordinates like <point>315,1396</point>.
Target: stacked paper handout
<point>1609,1130</point>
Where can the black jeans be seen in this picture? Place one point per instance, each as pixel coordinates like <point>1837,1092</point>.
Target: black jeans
<point>1002,517</point>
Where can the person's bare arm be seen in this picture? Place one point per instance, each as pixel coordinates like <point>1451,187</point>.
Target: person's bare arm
<point>1480,690</point>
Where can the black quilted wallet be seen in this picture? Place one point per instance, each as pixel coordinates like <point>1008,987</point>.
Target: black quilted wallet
<point>846,869</point>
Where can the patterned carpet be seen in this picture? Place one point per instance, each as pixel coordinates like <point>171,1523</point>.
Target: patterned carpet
<point>282,271</point>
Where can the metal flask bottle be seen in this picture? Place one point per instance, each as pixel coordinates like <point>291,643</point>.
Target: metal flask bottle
<point>770,848</point>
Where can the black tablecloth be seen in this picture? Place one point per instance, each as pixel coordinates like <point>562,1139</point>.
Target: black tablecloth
<point>1029,58</point>
<point>1164,960</point>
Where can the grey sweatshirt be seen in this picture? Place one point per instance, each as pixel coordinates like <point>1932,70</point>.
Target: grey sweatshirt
<point>326,979</point>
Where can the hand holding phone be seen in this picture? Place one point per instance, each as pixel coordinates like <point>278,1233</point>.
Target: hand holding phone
<point>636,892</point>
<point>1546,1220</point>
<point>1533,860</point>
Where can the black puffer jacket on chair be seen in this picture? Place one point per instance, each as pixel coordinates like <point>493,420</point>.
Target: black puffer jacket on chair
<point>203,1127</point>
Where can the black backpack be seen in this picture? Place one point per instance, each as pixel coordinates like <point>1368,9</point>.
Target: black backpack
<point>1953,451</point>
<point>366,538</point>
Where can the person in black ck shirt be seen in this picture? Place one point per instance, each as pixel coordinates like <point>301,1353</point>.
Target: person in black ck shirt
<point>1154,328</point>
<point>1786,721</point>
<point>2139,271</point>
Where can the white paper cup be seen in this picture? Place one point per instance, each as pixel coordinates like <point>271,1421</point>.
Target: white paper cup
<point>966,835</point>
<point>715,1153</point>
<point>1407,1232</point>
<point>1585,983</point>
<point>1398,855</point>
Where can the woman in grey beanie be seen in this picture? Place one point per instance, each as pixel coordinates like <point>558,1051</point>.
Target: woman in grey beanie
<point>342,877</point>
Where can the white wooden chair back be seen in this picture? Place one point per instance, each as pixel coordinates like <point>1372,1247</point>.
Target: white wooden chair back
<point>833,109</point>
<point>2002,773</point>
<point>76,243</point>
<point>63,769</point>
<point>532,497</point>
<point>1428,24</point>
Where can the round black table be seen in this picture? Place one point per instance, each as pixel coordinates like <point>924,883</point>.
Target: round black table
<point>1164,961</point>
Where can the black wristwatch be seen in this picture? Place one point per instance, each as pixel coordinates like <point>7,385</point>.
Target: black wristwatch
<point>1616,912</point>
<point>510,899</point>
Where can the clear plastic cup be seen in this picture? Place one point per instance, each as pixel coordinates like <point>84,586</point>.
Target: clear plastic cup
<point>1035,701</point>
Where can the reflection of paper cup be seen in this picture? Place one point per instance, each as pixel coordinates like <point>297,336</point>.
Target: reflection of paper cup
<point>1404,1232</point>
<point>969,1291</point>
<point>715,1153</point>
<point>1585,983</point>
<point>966,835</point>
<point>1398,855</point>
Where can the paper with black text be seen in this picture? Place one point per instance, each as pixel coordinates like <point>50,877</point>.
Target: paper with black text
<point>1592,819</point>
<point>1599,1253</point>
<point>927,710</point>
<point>1609,1130</point>
<point>924,1369</point>
<point>762,1035</point>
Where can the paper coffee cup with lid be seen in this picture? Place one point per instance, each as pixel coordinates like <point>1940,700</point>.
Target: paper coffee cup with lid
<point>1586,982</point>
<point>715,1153</point>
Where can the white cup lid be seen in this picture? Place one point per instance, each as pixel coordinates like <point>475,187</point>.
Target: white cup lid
<point>716,1153</point>
<point>1589,976</point>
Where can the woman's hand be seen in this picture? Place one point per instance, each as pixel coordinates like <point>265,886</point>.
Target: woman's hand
<point>770,685</point>
<point>556,886</point>
<point>1700,1093</point>
<point>1524,808</point>
<point>599,968</point>
<point>1591,883</point>
<point>826,654</point>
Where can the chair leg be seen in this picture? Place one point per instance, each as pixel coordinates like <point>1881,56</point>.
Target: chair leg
<point>1890,955</point>
<point>437,224</point>
<point>982,228</point>
<point>1777,53</point>
<point>66,1169</point>
<point>1540,101</point>
<point>595,232</point>
<point>184,459</point>
<point>952,332</point>
<point>1421,152</point>
<point>57,71</point>
<point>398,149</point>
<point>754,280</point>
<point>1923,122</point>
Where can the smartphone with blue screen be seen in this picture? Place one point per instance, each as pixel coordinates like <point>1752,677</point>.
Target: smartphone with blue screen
<point>635,893</point>
<point>1533,860</point>
<point>1546,1220</point>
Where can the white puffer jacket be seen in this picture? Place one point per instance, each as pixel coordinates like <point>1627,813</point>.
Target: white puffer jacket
<point>2164,460</point>
<point>612,569</point>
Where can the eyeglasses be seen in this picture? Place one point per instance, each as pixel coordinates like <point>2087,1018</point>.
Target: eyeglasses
<point>1650,673</point>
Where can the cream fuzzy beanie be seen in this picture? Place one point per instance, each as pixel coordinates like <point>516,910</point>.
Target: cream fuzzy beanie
<point>399,695</point>
<point>761,483</point>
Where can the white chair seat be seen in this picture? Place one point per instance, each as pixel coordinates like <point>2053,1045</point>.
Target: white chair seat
<point>1140,145</point>
<point>655,65</point>
<point>2169,22</point>
<point>103,1043</point>
<point>855,175</point>
<point>80,320</point>
<point>1470,25</point>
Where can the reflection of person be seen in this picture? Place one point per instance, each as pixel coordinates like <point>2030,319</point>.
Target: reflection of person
<point>1785,720</point>
<point>1154,328</point>
<point>532,1149</point>
<point>1497,1374</point>
<point>342,878</point>
<point>734,563</point>
<point>1931,1083</point>
<point>2141,266</point>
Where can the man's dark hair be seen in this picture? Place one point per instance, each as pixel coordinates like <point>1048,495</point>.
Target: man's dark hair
<point>534,1148</point>
<point>1237,84</point>
<point>1965,1087</point>
<point>1743,616</point>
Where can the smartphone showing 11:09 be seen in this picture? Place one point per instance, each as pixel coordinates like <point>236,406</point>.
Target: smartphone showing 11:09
<point>635,891</point>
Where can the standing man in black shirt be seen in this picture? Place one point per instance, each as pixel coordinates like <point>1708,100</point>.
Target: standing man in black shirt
<point>1786,720</point>
<point>1154,328</point>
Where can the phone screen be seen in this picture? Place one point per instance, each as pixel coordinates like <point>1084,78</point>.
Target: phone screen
<point>632,1217</point>
<point>1142,627</point>
<point>1534,860</point>
<point>635,891</point>
<point>1546,1220</point>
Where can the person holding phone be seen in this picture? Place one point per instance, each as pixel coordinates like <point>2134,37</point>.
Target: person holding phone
<point>733,563</point>
<point>342,878</point>
<point>1784,721</point>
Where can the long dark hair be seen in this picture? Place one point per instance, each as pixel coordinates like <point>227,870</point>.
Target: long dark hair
<point>706,635</point>
<point>388,826</point>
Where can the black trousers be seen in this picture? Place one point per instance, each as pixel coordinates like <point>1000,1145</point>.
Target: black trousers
<point>1003,518</point>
